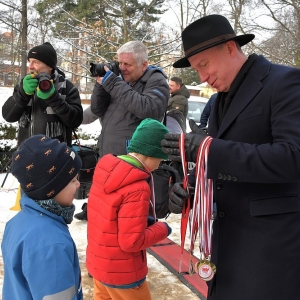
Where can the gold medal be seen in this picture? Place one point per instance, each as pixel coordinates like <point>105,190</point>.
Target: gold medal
<point>206,269</point>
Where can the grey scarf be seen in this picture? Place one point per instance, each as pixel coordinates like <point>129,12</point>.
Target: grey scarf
<point>53,207</point>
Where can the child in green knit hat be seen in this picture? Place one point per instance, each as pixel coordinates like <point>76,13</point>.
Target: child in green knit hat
<point>119,230</point>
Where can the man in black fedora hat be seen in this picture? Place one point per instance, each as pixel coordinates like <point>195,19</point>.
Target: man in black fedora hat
<point>253,160</point>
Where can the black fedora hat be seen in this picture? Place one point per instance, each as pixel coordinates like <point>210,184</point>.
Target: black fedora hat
<point>205,33</point>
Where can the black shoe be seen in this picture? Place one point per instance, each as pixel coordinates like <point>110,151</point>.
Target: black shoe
<point>82,215</point>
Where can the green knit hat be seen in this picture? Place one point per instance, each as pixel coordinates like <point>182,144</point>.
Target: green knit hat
<point>147,137</point>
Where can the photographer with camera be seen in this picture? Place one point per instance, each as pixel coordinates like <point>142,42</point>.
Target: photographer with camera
<point>44,102</point>
<point>126,92</point>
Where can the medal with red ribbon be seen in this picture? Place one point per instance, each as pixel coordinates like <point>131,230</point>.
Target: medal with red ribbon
<point>202,214</point>
<point>187,203</point>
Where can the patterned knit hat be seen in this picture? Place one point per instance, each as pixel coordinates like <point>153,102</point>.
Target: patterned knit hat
<point>147,137</point>
<point>45,53</point>
<point>44,166</point>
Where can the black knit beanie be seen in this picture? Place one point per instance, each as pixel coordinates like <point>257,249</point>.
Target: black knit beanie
<point>147,137</point>
<point>45,53</point>
<point>44,166</point>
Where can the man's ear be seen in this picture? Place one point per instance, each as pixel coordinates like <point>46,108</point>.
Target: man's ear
<point>231,47</point>
<point>145,65</point>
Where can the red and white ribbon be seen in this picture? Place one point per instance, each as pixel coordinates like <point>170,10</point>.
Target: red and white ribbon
<point>187,203</point>
<point>203,203</point>
<point>201,215</point>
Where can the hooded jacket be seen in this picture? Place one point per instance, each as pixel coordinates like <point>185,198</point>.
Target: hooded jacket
<point>54,117</point>
<point>122,107</point>
<point>40,257</point>
<point>179,100</point>
<point>118,235</point>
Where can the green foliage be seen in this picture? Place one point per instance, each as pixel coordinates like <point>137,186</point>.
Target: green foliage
<point>7,131</point>
<point>109,24</point>
<point>5,157</point>
<point>90,139</point>
<point>188,75</point>
<point>7,135</point>
<point>92,31</point>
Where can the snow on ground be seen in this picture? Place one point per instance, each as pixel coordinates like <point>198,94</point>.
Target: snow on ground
<point>163,284</point>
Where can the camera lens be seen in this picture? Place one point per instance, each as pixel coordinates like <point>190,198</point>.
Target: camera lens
<point>98,69</point>
<point>45,85</point>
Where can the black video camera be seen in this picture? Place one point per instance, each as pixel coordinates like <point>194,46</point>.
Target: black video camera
<point>98,69</point>
<point>45,84</point>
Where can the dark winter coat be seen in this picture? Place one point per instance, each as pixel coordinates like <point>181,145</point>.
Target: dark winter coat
<point>254,160</point>
<point>179,100</point>
<point>122,107</point>
<point>55,117</point>
<point>118,235</point>
<point>206,111</point>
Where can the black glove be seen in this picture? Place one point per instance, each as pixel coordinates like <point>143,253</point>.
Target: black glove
<point>170,145</point>
<point>194,127</point>
<point>177,196</point>
<point>205,129</point>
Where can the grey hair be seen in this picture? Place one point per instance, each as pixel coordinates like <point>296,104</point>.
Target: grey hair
<point>137,48</point>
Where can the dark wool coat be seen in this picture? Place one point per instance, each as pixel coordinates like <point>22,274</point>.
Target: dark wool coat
<point>254,160</point>
<point>118,235</point>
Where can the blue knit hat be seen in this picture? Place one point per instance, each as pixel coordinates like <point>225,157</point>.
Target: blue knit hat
<point>147,137</point>
<point>44,166</point>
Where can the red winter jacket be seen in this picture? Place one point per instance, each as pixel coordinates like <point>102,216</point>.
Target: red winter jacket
<point>118,235</point>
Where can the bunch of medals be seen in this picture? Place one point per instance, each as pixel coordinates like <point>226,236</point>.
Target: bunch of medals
<point>201,216</point>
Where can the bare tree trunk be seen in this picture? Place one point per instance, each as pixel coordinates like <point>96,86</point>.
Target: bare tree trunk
<point>24,38</point>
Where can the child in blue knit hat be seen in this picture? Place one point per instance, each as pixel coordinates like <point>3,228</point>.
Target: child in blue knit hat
<point>119,230</point>
<point>39,254</point>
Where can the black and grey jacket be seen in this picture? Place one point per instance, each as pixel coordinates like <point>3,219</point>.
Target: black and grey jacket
<point>122,107</point>
<point>55,117</point>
